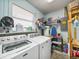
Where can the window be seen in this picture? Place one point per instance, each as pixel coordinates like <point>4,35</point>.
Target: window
<point>22,22</point>
<point>22,16</point>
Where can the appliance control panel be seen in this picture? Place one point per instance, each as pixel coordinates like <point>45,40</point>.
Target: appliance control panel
<point>33,35</point>
<point>14,38</point>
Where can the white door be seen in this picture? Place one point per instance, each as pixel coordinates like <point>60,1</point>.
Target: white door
<point>0,49</point>
<point>30,54</point>
<point>45,50</point>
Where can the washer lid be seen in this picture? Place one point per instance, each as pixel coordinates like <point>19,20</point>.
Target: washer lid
<point>15,45</point>
<point>40,39</point>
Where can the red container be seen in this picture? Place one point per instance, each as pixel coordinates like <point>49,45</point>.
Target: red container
<point>77,53</point>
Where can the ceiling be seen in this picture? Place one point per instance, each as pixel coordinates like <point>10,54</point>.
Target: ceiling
<point>46,7</point>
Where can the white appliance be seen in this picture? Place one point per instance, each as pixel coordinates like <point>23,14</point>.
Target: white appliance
<point>17,47</point>
<point>0,49</point>
<point>28,54</point>
<point>47,31</point>
<point>9,43</point>
<point>32,35</point>
<point>44,44</point>
<point>19,27</point>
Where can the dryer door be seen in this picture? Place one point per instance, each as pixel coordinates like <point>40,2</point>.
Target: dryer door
<point>45,50</point>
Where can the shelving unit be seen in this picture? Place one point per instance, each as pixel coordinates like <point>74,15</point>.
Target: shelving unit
<point>58,42</point>
<point>73,10</point>
<point>57,45</point>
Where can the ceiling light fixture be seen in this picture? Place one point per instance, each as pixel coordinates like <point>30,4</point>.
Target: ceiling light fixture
<point>49,1</point>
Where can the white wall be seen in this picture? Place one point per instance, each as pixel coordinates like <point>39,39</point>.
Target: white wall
<point>55,14</point>
<point>1,8</point>
<point>6,8</point>
<point>24,4</point>
<point>64,35</point>
<point>77,32</point>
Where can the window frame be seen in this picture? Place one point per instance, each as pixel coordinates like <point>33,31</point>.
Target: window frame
<point>27,20</point>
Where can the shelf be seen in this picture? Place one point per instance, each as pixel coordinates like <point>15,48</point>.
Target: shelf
<point>75,43</point>
<point>58,49</point>
<point>76,46</point>
<point>75,13</point>
<point>58,43</point>
<point>75,8</point>
<point>16,33</point>
<point>65,54</point>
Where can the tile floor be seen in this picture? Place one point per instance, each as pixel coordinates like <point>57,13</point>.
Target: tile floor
<point>58,55</point>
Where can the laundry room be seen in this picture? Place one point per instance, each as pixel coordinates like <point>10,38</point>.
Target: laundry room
<point>39,29</point>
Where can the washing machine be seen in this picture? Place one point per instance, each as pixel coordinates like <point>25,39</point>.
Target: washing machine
<point>44,45</point>
<point>18,47</point>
